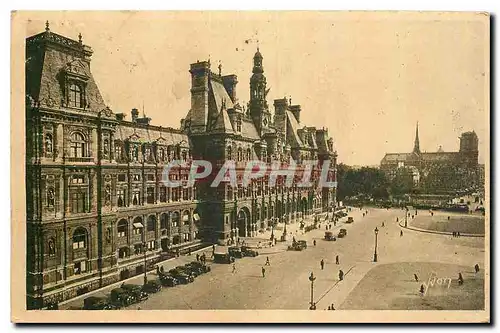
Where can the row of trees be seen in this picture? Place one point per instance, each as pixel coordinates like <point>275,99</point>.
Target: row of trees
<point>371,182</point>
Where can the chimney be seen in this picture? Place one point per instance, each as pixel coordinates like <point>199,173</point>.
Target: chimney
<point>200,72</point>
<point>120,116</point>
<point>135,114</point>
<point>296,111</point>
<point>280,105</point>
<point>230,82</point>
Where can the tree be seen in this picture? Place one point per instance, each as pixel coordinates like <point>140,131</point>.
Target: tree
<point>402,183</point>
<point>366,181</point>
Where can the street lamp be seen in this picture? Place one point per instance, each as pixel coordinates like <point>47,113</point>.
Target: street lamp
<point>145,269</point>
<point>406,218</point>
<point>313,304</point>
<point>375,254</point>
<point>272,228</point>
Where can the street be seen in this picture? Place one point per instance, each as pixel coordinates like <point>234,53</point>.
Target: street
<point>286,284</point>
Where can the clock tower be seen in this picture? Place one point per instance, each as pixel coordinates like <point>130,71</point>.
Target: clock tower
<point>259,109</point>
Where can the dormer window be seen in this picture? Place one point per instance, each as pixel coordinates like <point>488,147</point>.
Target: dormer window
<point>75,96</point>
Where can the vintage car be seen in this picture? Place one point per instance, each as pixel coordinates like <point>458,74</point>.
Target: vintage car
<point>121,298</point>
<point>235,251</point>
<point>53,306</point>
<point>166,279</point>
<point>302,243</point>
<point>223,258</point>
<point>189,270</point>
<point>349,220</point>
<point>329,236</point>
<point>342,233</point>
<point>97,303</point>
<point>248,252</point>
<point>152,286</point>
<point>136,292</point>
<point>295,247</point>
<point>181,276</point>
<point>201,268</point>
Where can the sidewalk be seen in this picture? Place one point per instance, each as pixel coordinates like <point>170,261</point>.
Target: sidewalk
<point>138,279</point>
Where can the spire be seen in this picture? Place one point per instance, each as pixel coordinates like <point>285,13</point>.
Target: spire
<point>416,147</point>
<point>257,62</point>
<point>47,26</point>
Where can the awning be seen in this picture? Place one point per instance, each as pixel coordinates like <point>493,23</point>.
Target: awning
<point>138,225</point>
<point>196,217</point>
<point>185,218</point>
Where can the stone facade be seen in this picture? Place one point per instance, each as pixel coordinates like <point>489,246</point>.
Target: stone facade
<point>97,209</point>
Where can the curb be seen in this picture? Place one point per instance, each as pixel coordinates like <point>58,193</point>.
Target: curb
<point>438,232</point>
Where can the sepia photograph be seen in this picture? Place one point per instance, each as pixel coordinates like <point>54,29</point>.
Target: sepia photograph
<point>250,166</point>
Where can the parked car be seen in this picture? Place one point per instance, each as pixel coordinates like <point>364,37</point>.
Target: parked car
<point>136,292</point>
<point>350,220</point>
<point>342,233</point>
<point>235,251</point>
<point>295,247</point>
<point>180,276</point>
<point>166,279</point>
<point>329,236</point>
<point>302,243</point>
<point>152,286</point>
<point>248,252</point>
<point>201,268</point>
<point>189,270</point>
<point>121,298</point>
<point>97,303</point>
<point>223,258</point>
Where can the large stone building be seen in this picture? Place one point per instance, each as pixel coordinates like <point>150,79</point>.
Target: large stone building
<point>439,172</point>
<point>97,208</point>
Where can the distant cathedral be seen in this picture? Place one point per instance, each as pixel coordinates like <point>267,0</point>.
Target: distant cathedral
<point>439,172</point>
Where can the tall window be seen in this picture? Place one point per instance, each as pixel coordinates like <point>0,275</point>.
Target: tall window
<point>161,154</point>
<point>118,151</point>
<point>120,201</point>
<point>163,194</point>
<point>77,145</point>
<point>136,197</point>
<point>150,192</point>
<point>75,96</point>
<point>80,239</point>
<point>229,152</point>
<point>105,147</point>
<point>78,202</point>
<point>164,221</point>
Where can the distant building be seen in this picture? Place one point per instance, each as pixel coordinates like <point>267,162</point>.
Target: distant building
<point>439,172</point>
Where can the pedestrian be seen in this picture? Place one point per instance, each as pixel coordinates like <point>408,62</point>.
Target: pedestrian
<point>189,251</point>
<point>413,216</point>
<point>234,268</point>
<point>322,263</point>
<point>432,213</point>
<point>162,269</point>
<point>267,262</point>
<point>331,307</point>
<point>460,279</point>
<point>157,269</point>
<point>263,272</point>
<point>422,289</point>
<point>383,224</point>
<point>476,268</point>
<point>337,262</point>
<point>341,275</point>
<point>448,218</point>
<point>397,219</point>
<point>416,277</point>
<point>363,214</point>
<point>458,234</point>
<point>197,257</point>
<point>453,233</point>
<point>314,242</point>
<point>401,233</point>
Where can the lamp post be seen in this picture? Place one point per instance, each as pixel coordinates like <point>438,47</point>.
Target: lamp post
<point>313,304</point>
<point>272,228</point>
<point>145,269</point>
<point>406,218</point>
<point>375,253</point>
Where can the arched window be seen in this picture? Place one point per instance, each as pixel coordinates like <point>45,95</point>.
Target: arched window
<point>79,239</point>
<point>77,145</point>
<point>122,228</point>
<point>240,154</point>
<point>249,154</point>
<point>48,143</point>
<point>175,219</point>
<point>229,152</point>
<point>151,223</point>
<point>75,96</point>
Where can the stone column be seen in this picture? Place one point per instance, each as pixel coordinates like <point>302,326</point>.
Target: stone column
<point>93,145</point>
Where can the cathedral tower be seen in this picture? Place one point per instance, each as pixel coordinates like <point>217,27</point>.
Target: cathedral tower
<point>259,109</point>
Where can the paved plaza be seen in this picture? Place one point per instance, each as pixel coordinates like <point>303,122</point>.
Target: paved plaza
<point>385,284</point>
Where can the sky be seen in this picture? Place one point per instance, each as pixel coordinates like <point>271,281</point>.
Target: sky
<point>367,78</point>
